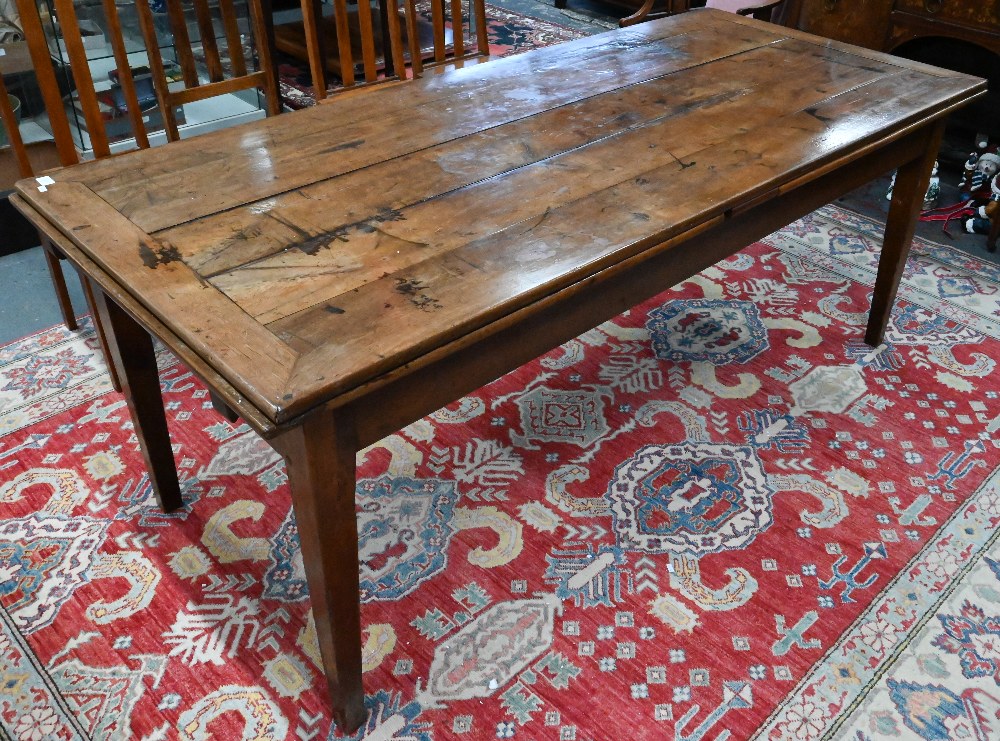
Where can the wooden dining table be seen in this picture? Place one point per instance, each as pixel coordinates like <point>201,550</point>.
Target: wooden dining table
<point>337,273</point>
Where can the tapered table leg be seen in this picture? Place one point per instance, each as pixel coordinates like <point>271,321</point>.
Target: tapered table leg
<point>223,409</point>
<point>88,293</point>
<point>907,199</point>
<point>133,355</point>
<point>320,456</point>
<point>59,284</point>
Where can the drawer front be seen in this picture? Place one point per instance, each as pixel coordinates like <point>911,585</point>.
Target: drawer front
<point>861,22</point>
<point>979,13</point>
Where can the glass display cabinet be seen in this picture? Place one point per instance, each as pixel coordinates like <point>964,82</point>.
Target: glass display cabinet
<point>195,118</point>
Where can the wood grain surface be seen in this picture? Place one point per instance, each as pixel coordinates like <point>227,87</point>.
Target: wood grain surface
<point>306,255</point>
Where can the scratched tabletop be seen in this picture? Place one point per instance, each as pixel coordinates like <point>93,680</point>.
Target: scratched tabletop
<point>307,254</point>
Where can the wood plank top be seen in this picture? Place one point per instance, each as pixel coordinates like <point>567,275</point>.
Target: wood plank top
<point>309,254</point>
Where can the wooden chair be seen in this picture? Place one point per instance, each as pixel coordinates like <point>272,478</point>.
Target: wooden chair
<point>90,106</point>
<point>83,81</point>
<point>222,79</point>
<point>393,44</point>
<point>645,11</point>
<point>9,123</point>
<point>443,52</point>
<point>762,10</point>
<point>334,45</point>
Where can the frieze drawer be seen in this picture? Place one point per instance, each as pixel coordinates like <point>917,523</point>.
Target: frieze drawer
<point>978,14</point>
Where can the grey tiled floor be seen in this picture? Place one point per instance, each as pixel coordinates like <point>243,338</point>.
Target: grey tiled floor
<point>29,303</point>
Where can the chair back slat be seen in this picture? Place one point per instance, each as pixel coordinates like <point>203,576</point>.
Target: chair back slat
<point>233,40</point>
<point>395,50</point>
<point>182,42</point>
<point>367,34</point>
<point>437,22</point>
<point>264,78</point>
<point>482,32</point>
<point>38,48</point>
<point>220,80</point>
<point>125,79</point>
<point>146,23</point>
<point>457,34</point>
<point>210,49</point>
<point>69,27</point>
<point>413,36</point>
<point>315,48</point>
<point>344,42</point>
<point>8,121</point>
<point>448,49</point>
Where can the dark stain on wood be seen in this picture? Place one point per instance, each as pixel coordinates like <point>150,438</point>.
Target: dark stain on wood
<point>312,244</point>
<point>341,147</point>
<point>413,289</point>
<point>333,309</point>
<point>381,217</point>
<point>245,234</point>
<point>153,257</point>
<point>817,115</point>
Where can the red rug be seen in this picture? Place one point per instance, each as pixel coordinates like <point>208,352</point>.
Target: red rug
<point>668,528</point>
<point>508,32</point>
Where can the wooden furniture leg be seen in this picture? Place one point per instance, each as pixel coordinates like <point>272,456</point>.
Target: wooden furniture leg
<point>88,293</point>
<point>644,12</point>
<point>907,200</point>
<point>267,9</point>
<point>320,457</point>
<point>54,261</point>
<point>59,284</point>
<point>223,409</point>
<point>132,352</point>
<point>315,41</point>
<point>383,19</point>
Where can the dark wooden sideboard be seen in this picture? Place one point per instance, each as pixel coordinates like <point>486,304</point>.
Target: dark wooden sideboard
<point>962,35</point>
<point>887,24</point>
<point>883,25</point>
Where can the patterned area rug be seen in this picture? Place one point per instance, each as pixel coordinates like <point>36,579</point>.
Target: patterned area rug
<point>509,33</point>
<point>944,683</point>
<point>717,516</point>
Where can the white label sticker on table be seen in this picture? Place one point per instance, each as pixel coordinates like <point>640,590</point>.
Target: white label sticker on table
<point>43,181</point>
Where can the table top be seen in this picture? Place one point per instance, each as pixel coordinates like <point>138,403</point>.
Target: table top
<point>306,256</point>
